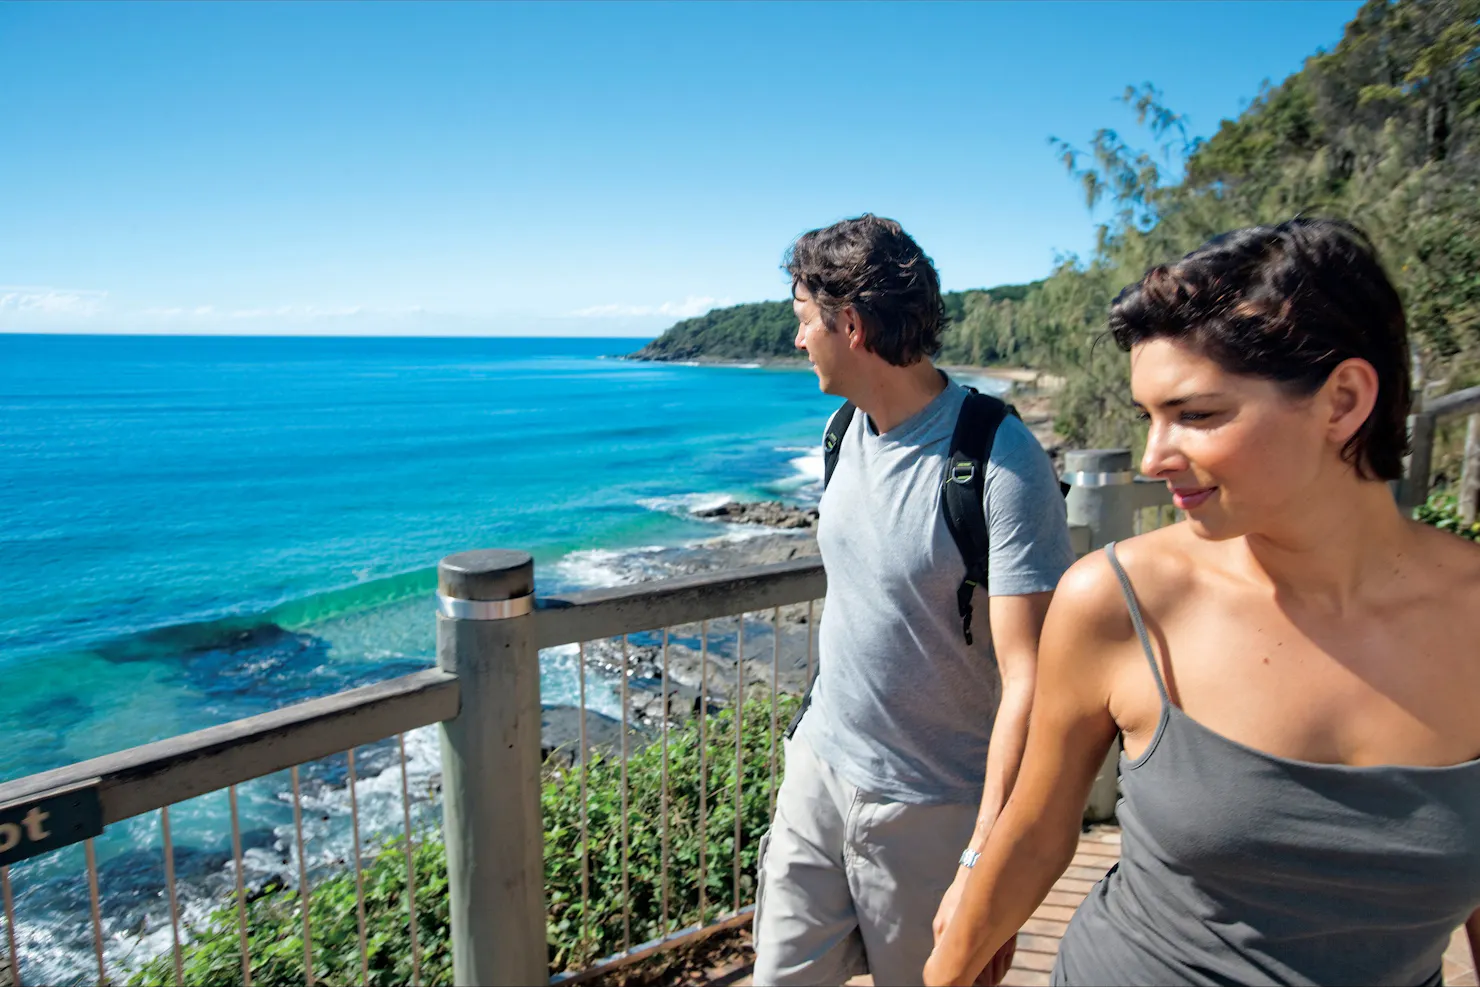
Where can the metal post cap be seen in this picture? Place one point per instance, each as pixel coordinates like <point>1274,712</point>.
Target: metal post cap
<point>1097,460</point>
<point>487,574</point>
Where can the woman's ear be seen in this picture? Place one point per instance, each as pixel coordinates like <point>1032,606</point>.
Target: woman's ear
<point>1350,394</point>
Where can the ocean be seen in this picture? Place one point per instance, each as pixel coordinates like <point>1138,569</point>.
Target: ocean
<point>194,530</point>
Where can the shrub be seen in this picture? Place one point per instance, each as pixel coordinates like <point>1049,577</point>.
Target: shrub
<point>1442,511</point>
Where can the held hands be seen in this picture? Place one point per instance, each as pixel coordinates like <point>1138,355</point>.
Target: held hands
<point>937,970</point>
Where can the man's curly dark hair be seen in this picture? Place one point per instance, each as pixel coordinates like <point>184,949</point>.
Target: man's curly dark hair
<point>873,265</point>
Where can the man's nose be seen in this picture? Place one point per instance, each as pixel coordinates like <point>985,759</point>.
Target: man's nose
<point>801,340</point>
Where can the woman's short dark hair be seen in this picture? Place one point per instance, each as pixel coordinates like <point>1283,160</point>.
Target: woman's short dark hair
<point>873,265</point>
<point>1286,303</point>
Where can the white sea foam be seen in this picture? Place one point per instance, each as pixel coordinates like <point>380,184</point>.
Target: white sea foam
<point>689,503</point>
<point>602,568</point>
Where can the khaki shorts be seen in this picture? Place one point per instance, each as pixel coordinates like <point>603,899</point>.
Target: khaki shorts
<point>849,881</point>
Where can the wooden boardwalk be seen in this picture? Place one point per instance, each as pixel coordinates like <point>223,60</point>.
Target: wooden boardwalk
<point>1038,942</point>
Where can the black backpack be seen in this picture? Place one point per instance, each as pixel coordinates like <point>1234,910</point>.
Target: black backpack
<point>960,495</point>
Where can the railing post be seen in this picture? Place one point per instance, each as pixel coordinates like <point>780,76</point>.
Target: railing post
<point>490,769</point>
<point>1413,489</point>
<point>1469,478</point>
<point>1103,498</point>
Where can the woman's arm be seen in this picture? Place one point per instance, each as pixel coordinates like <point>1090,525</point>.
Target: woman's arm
<point>1034,838</point>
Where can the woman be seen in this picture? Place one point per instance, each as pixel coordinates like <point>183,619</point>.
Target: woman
<point>1293,669</point>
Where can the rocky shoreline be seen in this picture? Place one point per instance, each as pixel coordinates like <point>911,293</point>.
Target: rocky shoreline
<point>692,666</point>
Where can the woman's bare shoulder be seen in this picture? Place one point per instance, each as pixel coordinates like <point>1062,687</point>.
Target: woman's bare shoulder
<point>1451,565</point>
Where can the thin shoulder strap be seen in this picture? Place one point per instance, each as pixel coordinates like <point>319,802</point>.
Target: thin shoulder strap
<point>1135,608</point>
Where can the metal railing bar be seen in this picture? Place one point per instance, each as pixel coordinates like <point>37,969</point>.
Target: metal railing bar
<point>1456,403</point>
<point>663,796</point>
<point>241,889</point>
<point>775,663</point>
<point>604,613</point>
<point>15,956</point>
<point>585,824</point>
<point>626,883</point>
<point>410,865</point>
<point>152,776</point>
<point>682,937</point>
<point>354,825</point>
<point>738,707</point>
<point>703,762</point>
<point>302,880</point>
<point>97,910</point>
<point>169,880</point>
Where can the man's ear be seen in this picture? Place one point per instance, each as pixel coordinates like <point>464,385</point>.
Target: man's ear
<point>851,325</point>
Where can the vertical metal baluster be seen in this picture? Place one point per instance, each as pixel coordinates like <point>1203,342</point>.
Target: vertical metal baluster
<point>241,888</point>
<point>354,825</point>
<point>663,797</point>
<point>15,957</point>
<point>302,881</point>
<point>738,707</point>
<point>97,912</point>
<point>811,635</point>
<point>169,880</point>
<point>775,663</point>
<point>585,835</point>
<point>703,769</point>
<point>410,865</point>
<point>626,885</point>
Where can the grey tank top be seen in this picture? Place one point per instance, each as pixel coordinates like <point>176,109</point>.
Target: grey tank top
<point>1240,867</point>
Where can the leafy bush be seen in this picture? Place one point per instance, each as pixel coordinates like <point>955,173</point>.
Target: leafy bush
<point>1442,511</point>
<point>581,928</point>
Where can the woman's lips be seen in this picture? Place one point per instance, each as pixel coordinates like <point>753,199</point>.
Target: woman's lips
<point>1191,497</point>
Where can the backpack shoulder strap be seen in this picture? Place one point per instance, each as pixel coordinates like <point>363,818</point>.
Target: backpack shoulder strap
<point>832,440</point>
<point>963,491</point>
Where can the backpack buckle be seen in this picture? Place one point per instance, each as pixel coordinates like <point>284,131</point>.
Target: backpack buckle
<point>962,472</point>
<point>830,442</point>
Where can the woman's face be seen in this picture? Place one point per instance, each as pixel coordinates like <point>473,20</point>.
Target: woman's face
<point>1238,453</point>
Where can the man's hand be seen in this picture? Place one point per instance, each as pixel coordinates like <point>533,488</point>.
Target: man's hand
<point>948,903</point>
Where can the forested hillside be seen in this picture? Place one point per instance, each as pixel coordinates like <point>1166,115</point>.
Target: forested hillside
<point>1384,131</point>
<point>761,330</point>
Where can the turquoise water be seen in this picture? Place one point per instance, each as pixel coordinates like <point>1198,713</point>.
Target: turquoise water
<point>199,529</point>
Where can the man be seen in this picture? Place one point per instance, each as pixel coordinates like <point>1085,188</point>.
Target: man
<point>884,774</point>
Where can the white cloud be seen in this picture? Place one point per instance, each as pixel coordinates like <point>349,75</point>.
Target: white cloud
<point>50,303</point>
<point>686,309</point>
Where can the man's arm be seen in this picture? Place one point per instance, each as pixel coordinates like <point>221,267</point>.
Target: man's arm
<point>1017,623</point>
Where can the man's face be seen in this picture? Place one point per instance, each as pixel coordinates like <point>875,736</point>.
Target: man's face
<point>827,349</point>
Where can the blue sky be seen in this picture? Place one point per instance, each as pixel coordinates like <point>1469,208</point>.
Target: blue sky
<point>559,168</point>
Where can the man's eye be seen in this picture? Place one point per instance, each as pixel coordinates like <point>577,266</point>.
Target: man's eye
<point>1195,416</point>
<point>1143,416</point>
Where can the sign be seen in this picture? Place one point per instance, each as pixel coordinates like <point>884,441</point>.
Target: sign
<point>49,821</point>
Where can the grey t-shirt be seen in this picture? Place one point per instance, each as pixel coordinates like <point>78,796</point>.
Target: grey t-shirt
<point>903,707</point>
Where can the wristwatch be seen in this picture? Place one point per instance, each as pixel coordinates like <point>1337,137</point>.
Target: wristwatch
<point>969,857</point>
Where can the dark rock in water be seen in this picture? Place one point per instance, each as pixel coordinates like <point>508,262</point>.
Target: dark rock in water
<point>770,513</point>
<point>267,886</point>
<point>560,734</point>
